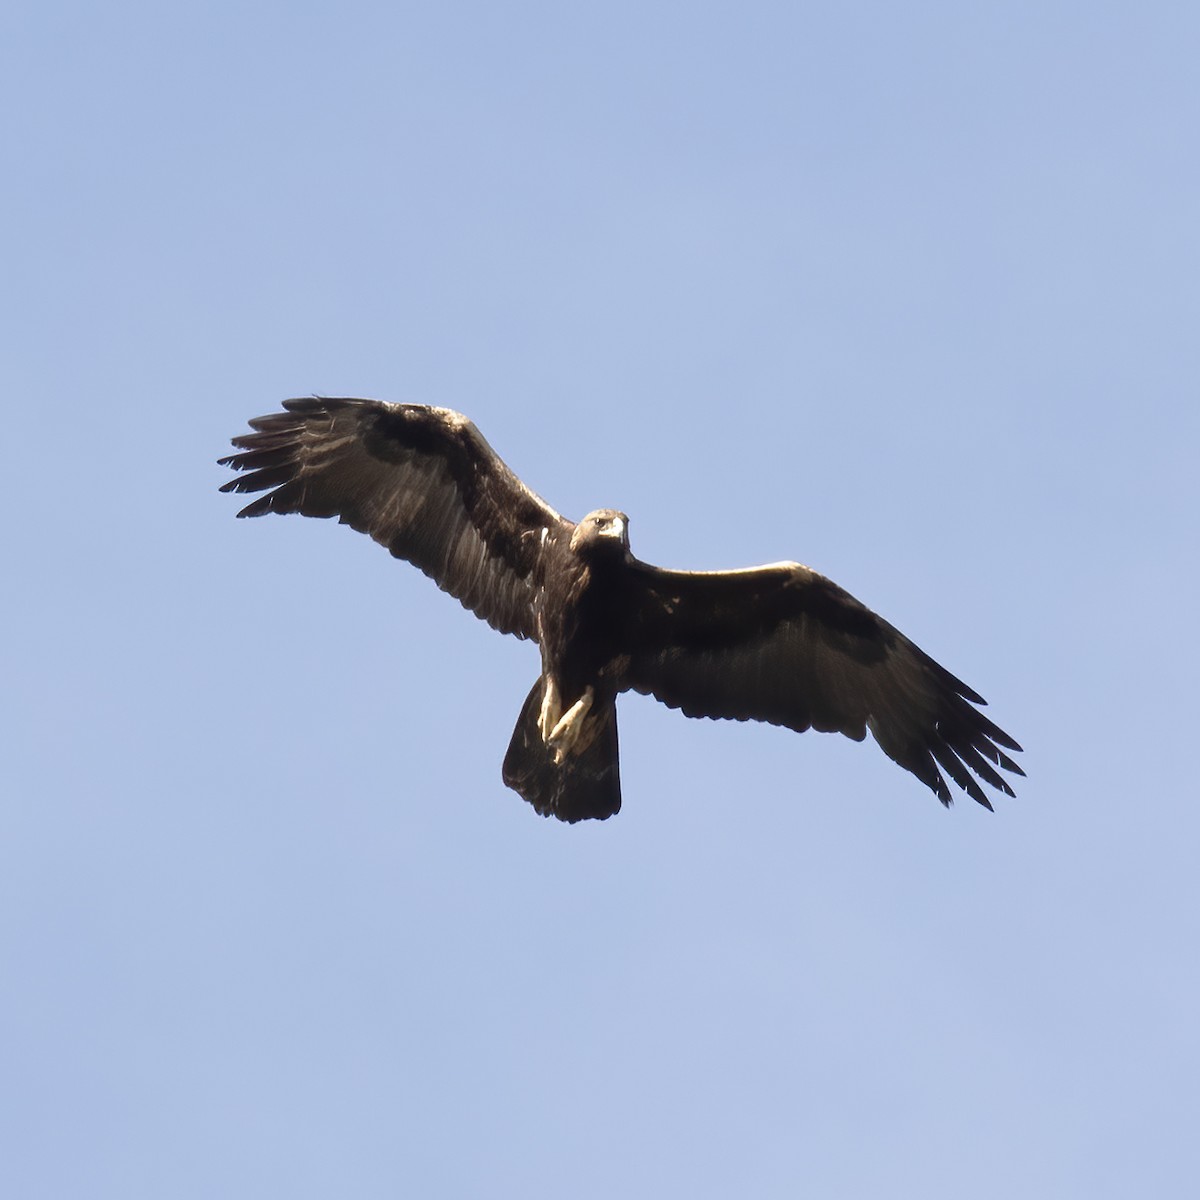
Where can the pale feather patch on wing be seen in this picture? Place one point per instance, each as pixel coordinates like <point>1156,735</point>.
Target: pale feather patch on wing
<point>783,568</point>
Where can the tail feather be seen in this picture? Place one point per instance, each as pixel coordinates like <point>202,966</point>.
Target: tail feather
<point>585,786</point>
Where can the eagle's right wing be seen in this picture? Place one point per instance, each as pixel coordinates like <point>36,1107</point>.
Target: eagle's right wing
<point>785,645</point>
<point>421,481</point>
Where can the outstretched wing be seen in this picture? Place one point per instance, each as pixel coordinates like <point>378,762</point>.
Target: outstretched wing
<point>783,644</point>
<point>421,481</point>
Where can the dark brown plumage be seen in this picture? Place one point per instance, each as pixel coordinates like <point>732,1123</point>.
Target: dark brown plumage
<point>778,643</point>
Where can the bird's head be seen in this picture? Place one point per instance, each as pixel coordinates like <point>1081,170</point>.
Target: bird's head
<point>602,531</point>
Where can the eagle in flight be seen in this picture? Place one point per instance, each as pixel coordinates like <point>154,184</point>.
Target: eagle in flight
<point>778,643</point>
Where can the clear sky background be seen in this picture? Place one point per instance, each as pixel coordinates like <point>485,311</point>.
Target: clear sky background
<point>910,293</point>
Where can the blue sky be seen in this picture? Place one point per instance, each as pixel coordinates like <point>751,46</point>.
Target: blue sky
<point>908,293</point>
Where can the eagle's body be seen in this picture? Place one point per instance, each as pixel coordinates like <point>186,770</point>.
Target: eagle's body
<point>778,643</point>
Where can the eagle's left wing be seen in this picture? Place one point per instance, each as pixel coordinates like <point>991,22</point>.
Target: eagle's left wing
<point>421,481</point>
<point>785,645</point>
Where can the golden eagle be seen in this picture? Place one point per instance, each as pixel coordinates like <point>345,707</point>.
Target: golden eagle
<point>778,643</point>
